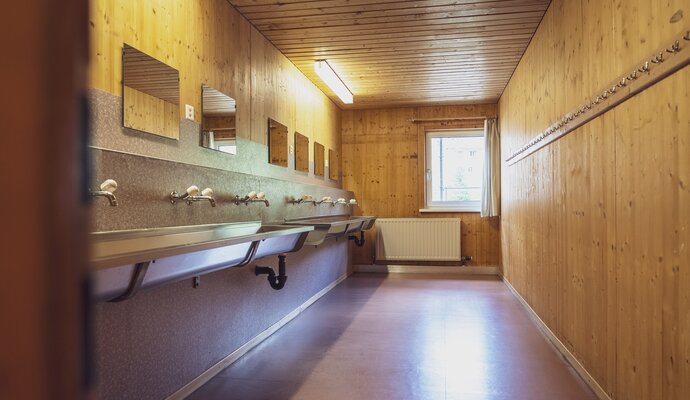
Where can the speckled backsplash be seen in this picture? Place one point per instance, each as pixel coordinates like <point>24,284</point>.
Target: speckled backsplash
<point>144,186</point>
<point>153,344</point>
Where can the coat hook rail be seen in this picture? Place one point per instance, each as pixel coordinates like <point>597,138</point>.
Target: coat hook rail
<point>662,64</point>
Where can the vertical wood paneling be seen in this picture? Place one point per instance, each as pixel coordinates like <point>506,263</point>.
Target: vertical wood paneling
<point>210,42</point>
<point>595,226</point>
<point>383,162</point>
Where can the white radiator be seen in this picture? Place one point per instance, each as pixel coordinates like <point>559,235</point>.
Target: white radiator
<point>418,239</point>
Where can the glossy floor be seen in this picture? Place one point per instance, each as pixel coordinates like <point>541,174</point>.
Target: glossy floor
<point>404,337</point>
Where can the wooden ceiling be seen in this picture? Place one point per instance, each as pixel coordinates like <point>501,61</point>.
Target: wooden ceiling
<point>392,52</point>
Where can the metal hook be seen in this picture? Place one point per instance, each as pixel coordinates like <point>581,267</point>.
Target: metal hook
<point>645,67</point>
<point>633,76</point>
<point>675,47</point>
<point>658,58</point>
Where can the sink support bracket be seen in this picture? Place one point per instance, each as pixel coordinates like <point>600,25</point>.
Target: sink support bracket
<point>251,253</point>
<point>359,241</point>
<point>277,282</point>
<point>135,283</point>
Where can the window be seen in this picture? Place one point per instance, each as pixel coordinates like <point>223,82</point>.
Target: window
<point>454,165</point>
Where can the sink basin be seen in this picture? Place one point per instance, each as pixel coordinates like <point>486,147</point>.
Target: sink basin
<point>326,227</point>
<point>176,253</point>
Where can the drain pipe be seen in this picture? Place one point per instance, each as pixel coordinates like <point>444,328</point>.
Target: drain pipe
<point>359,241</point>
<point>276,282</point>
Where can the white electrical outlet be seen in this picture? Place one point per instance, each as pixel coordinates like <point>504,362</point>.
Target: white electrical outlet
<point>189,112</point>
<point>326,162</point>
<point>292,149</point>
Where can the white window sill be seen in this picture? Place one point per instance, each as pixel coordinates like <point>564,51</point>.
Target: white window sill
<point>448,210</point>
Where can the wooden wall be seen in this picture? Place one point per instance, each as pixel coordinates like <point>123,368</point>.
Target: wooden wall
<point>210,42</point>
<point>383,164</point>
<point>595,227</point>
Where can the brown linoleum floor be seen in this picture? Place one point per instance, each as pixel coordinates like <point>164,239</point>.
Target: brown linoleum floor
<point>402,337</point>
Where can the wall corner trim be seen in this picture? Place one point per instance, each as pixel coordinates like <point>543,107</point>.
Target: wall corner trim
<point>546,331</point>
<point>206,376</point>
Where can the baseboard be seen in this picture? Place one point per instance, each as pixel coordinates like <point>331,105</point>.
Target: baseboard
<point>200,380</point>
<point>426,269</point>
<point>574,362</point>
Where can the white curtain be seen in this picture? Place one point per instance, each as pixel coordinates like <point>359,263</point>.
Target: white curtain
<point>491,190</point>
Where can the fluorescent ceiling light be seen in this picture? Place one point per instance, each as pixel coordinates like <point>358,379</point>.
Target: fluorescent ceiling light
<point>326,73</point>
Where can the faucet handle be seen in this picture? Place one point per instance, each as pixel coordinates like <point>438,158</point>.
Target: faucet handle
<point>353,202</point>
<point>207,192</point>
<point>307,197</point>
<point>251,195</point>
<point>261,195</point>
<point>193,190</point>
<point>109,185</point>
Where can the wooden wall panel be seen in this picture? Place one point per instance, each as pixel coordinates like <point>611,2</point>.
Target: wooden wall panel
<point>383,161</point>
<point>594,227</point>
<point>210,42</point>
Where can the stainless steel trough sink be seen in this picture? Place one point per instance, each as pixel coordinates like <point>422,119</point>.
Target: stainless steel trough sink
<point>332,226</point>
<point>170,254</point>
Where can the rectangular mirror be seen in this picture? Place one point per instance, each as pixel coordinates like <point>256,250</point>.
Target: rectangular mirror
<point>277,143</point>
<point>319,159</point>
<point>301,152</point>
<point>334,165</point>
<point>218,112</point>
<point>150,94</point>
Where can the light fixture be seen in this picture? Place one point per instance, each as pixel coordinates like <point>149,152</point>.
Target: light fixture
<point>326,73</point>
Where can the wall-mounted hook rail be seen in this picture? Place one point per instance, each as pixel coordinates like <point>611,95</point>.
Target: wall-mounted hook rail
<point>662,64</point>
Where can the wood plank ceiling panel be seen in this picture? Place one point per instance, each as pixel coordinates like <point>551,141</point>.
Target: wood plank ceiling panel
<point>393,52</point>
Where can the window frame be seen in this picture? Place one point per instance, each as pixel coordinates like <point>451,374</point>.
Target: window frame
<point>446,206</point>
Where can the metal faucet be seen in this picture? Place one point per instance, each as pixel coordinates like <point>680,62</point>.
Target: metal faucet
<point>304,199</point>
<point>192,194</point>
<point>107,189</point>
<point>206,194</point>
<point>326,199</point>
<point>252,197</point>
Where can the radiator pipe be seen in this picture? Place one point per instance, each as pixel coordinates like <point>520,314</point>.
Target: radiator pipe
<point>276,282</point>
<point>359,241</point>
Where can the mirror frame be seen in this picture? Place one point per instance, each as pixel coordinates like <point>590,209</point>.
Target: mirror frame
<point>333,159</point>
<point>147,96</point>
<point>319,159</point>
<point>304,160</point>
<point>286,147</point>
<point>201,132</point>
